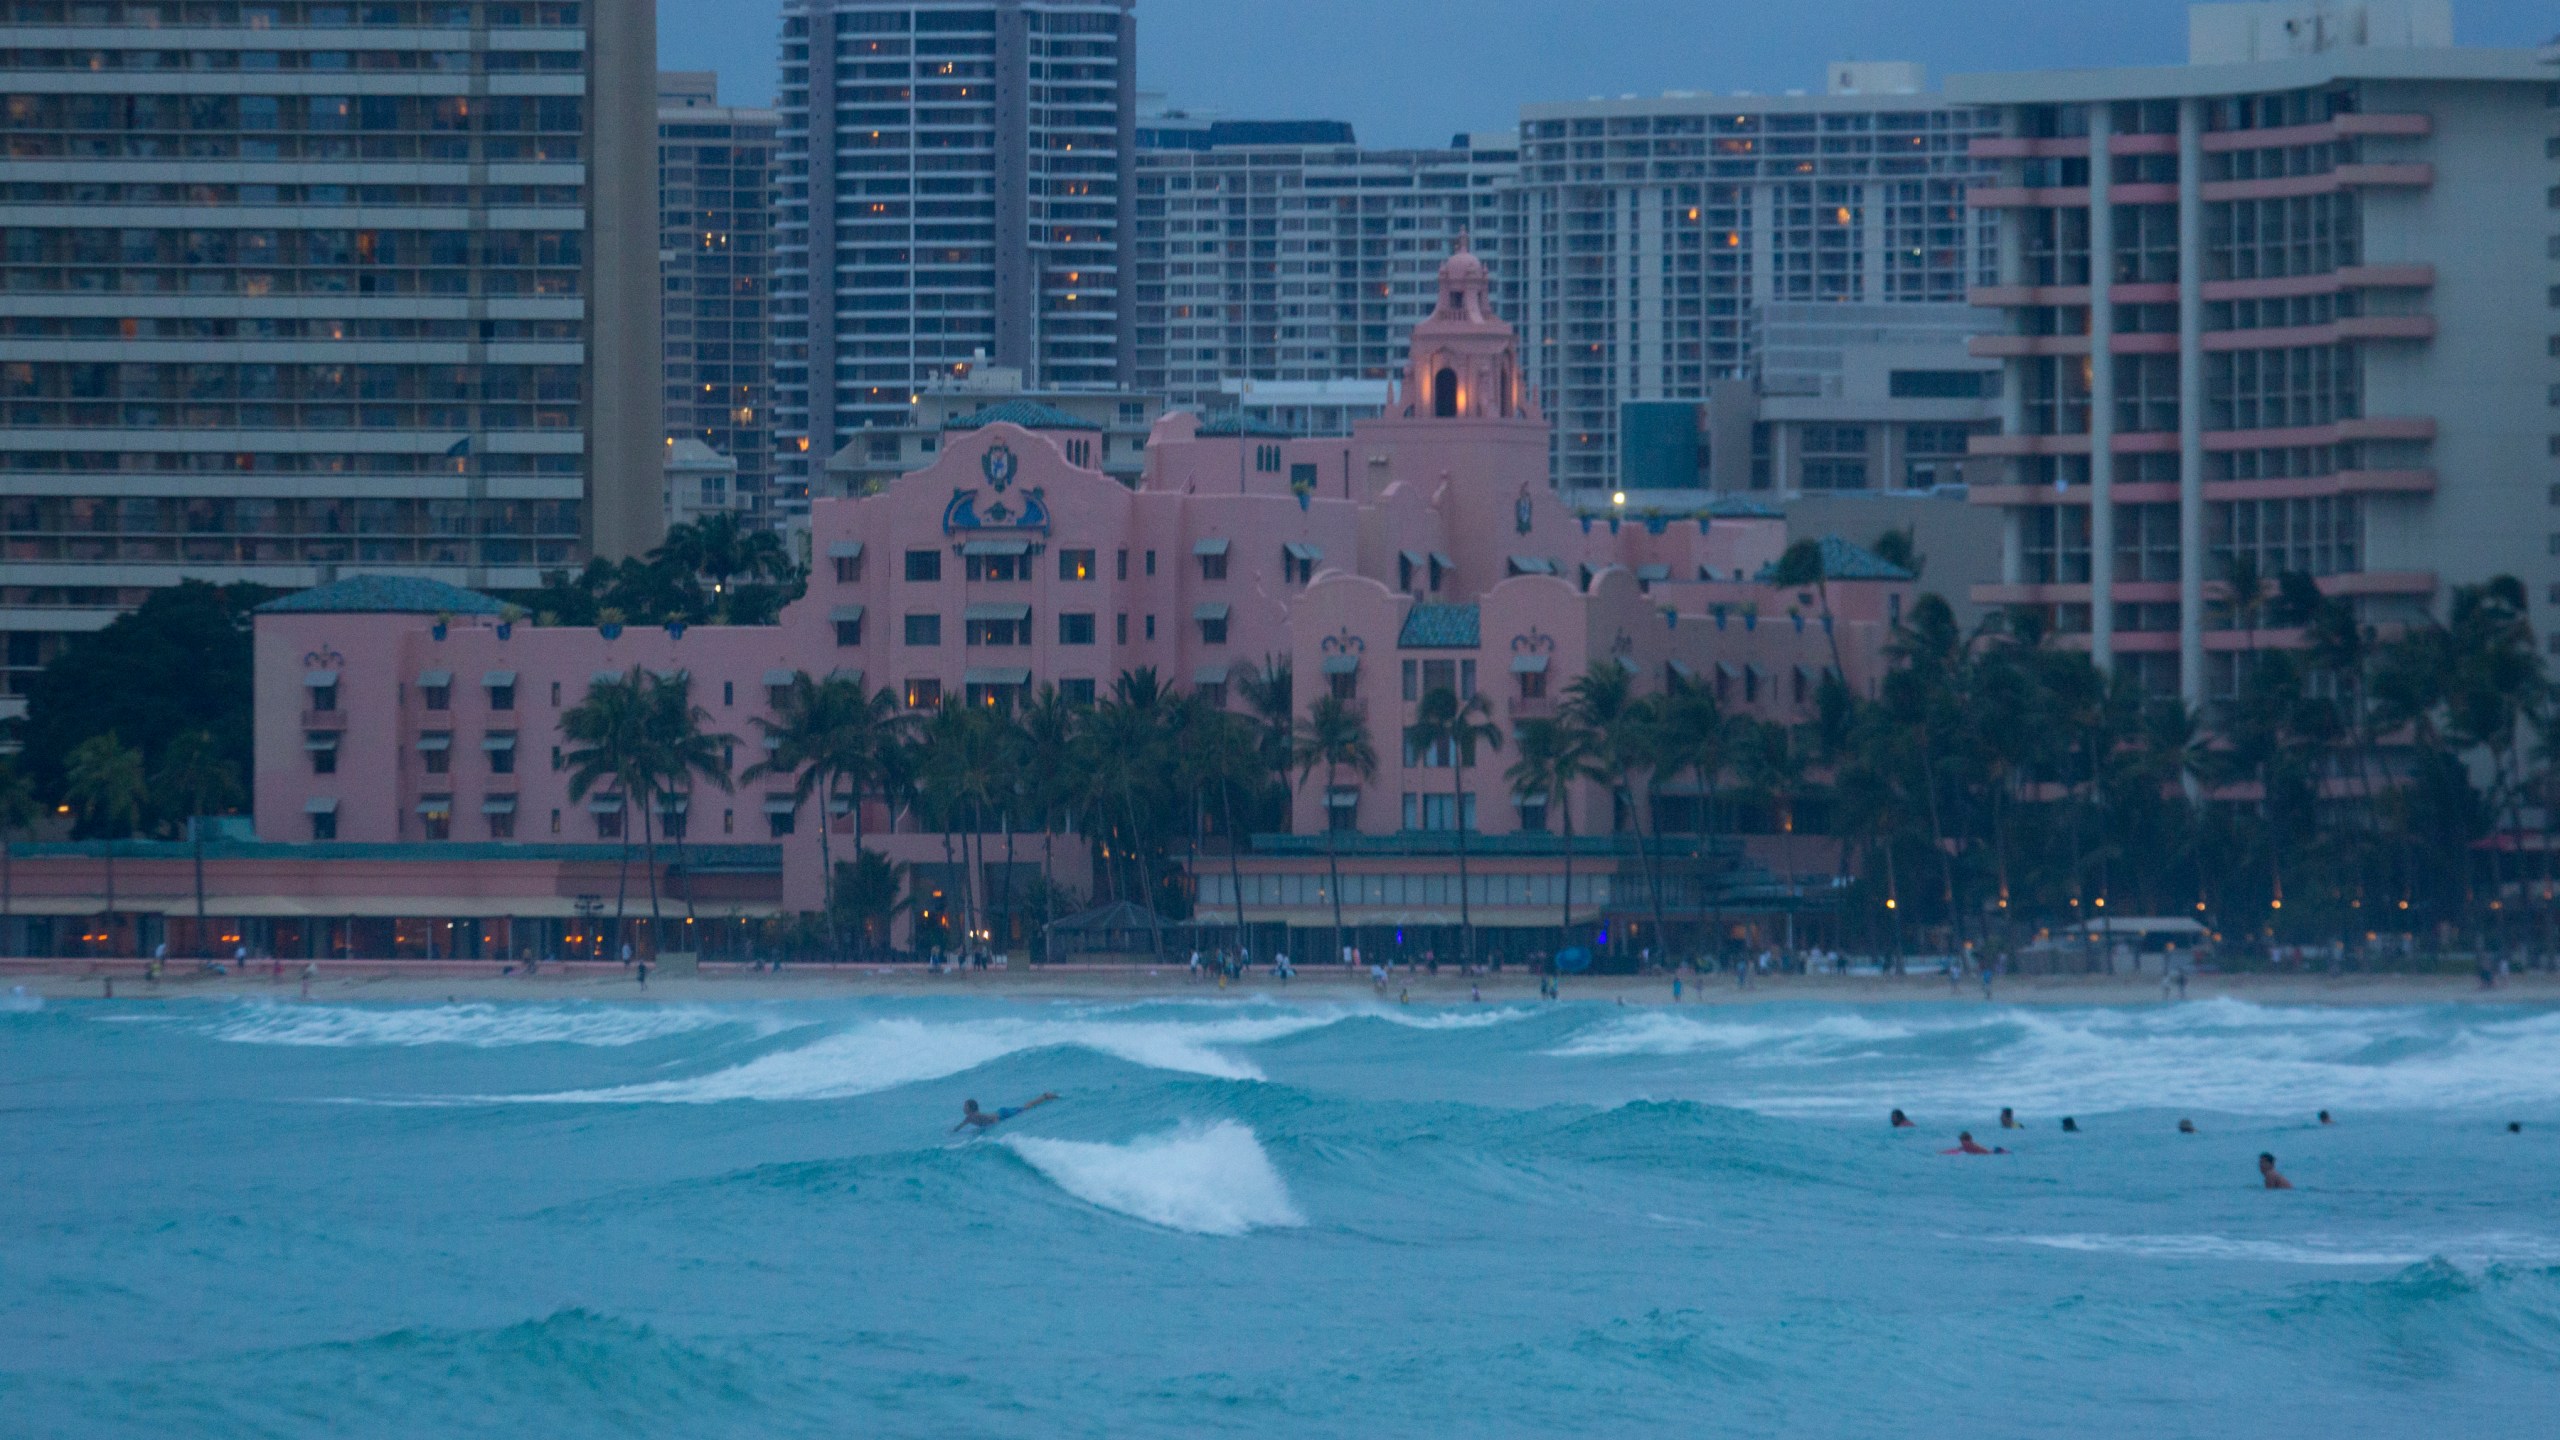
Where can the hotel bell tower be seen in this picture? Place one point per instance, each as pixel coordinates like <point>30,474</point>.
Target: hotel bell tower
<point>1465,363</point>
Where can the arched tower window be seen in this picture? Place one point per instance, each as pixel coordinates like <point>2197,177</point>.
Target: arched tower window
<point>1444,393</point>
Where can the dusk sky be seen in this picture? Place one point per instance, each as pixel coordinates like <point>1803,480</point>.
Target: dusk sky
<point>1414,72</point>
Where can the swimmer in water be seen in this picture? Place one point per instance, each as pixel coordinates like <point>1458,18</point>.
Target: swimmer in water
<point>2324,1118</point>
<point>2268,1172</point>
<point>1967,1145</point>
<point>971,1115</point>
<point>1901,1121</point>
<point>2070,1126</point>
<point>2009,1119</point>
<point>2515,1127</point>
<point>2186,1127</point>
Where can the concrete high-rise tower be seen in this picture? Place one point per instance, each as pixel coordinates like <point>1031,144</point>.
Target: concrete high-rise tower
<point>953,189</point>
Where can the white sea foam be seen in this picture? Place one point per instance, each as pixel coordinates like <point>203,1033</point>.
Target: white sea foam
<point>2467,1252</point>
<point>19,1000</point>
<point>884,1054</point>
<point>1210,1180</point>
<point>2222,1055</point>
<point>475,1026</point>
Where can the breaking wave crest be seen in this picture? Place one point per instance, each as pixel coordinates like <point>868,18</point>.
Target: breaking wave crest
<point>477,1026</point>
<point>1210,1180</point>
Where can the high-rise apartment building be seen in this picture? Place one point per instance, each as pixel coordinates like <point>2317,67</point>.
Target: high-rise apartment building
<point>291,287</point>
<point>1283,251</point>
<point>952,185</point>
<point>715,209</point>
<point>1653,230</point>
<point>2296,304</point>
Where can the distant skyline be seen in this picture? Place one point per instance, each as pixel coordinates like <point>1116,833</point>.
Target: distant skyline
<point>1416,72</point>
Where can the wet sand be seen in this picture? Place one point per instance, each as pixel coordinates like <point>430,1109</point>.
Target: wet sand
<point>414,982</point>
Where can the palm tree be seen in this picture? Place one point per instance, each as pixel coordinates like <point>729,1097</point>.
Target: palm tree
<point>1334,735</point>
<point>866,894</point>
<point>682,748</point>
<point>1444,720</point>
<point>1773,772</point>
<point>1049,751</point>
<point>17,812</point>
<point>1692,733</point>
<point>195,777</point>
<point>1803,564</point>
<point>1221,753</point>
<point>102,778</point>
<point>610,751</point>
<point>1623,727</point>
<point>1268,694</point>
<point>959,774</point>
<point>1555,755</point>
<point>828,739</point>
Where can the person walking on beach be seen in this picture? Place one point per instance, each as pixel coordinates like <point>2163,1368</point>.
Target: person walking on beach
<point>2269,1174</point>
<point>310,968</point>
<point>1675,989</point>
<point>643,972</point>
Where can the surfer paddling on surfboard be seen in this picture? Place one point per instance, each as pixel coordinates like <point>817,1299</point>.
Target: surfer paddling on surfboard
<point>983,1120</point>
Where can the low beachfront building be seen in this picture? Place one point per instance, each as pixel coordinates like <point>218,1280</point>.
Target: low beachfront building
<point>1424,550</point>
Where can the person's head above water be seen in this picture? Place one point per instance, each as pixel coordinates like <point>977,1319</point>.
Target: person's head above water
<point>1901,1119</point>
<point>2515,1127</point>
<point>2070,1124</point>
<point>2324,1118</point>
<point>968,1107</point>
<point>2186,1127</point>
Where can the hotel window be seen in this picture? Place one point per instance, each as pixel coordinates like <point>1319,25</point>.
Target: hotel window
<point>1533,814</point>
<point>924,565</point>
<point>1002,569</point>
<point>502,824</point>
<point>1151,562</point>
<point>435,688</point>
<point>923,630</point>
<point>1075,628</point>
<point>1120,628</point>
<point>324,824</point>
<point>1213,624</point>
<point>1835,457</point>
<point>555,822</point>
<point>435,816</point>
<point>609,822</point>
<point>1151,627</point>
<point>1533,684</point>
<point>1266,459</point>
<point>780,815</point>
<point>1123,564</point>
<point>1076,692</point>
<point>501,749</point>
<point>997,625</point>
<point>849,626</point>
<point>848,566</point>
<point>1075,565</point>
<point>324,687</point>
<point>322,746</point>
<point>435,752</point>
<point>924,694</point>
<point>502,692</point>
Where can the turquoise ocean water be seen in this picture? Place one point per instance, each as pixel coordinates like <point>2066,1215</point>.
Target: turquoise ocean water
<point>1273,1219</point>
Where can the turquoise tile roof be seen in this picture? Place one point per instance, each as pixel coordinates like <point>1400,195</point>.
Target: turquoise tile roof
<point>1844,561</point>
<point>1441,627</point>
<point>384,595</point>
<point>1029,414</point>
<point>1232,423</point>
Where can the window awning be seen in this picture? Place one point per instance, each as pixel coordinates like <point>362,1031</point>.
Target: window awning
<point>996,675</point>
<point>502,740</point>
<point>1308,553</point>
<point>1342,797</point>
<point>1443,561</point>
<point>498,805</point>
<point>438,741</point>
<point>1341,664</point>
<point>1529,664</point>
<point>1628,664</point>
<point>777,677</point>
<point>1754,671</point>
<point>1532,565</point>
<point>845,614</point>
<point>1682,669</point>
<point>319,741</point>
<point>852,675</point>
<point>1209,610</point>
<point>780,805</point>
<point>845,550</point>
<point>1214,545</point>
<point>771,741</point>
<point>606,677</point>
<point>604,804</point>
<point>319,679</point>
<point>997,610</point>
<point>499,679</point>
<point>996,547</point>
<point>434,679</point>
<point>320,805</point>
<point>1651,573</point>
<point>674,804</point>
<point>1414,558</point>
<point>1209,675</point>
<point>1724,669</point>
<point>436,805</point>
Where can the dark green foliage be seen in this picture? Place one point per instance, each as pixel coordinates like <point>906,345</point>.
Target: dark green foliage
<point>180,662</point>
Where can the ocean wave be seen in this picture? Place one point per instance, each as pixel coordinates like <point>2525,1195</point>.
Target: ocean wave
<point>2464,1252</point>
<point>877,1055</point>
<point>477,1026</point>
<point>1210,1179</point>
<point>2220,1055</point>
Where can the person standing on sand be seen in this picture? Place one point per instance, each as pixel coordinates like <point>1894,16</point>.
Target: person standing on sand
<point>643,972</point>
<point>1675,989</point>
<point>310,968</point>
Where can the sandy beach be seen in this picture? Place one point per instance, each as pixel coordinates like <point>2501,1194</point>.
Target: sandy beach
<point>415,982</point>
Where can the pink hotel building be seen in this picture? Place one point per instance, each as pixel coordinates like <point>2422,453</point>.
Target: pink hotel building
<point>410,727</point>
